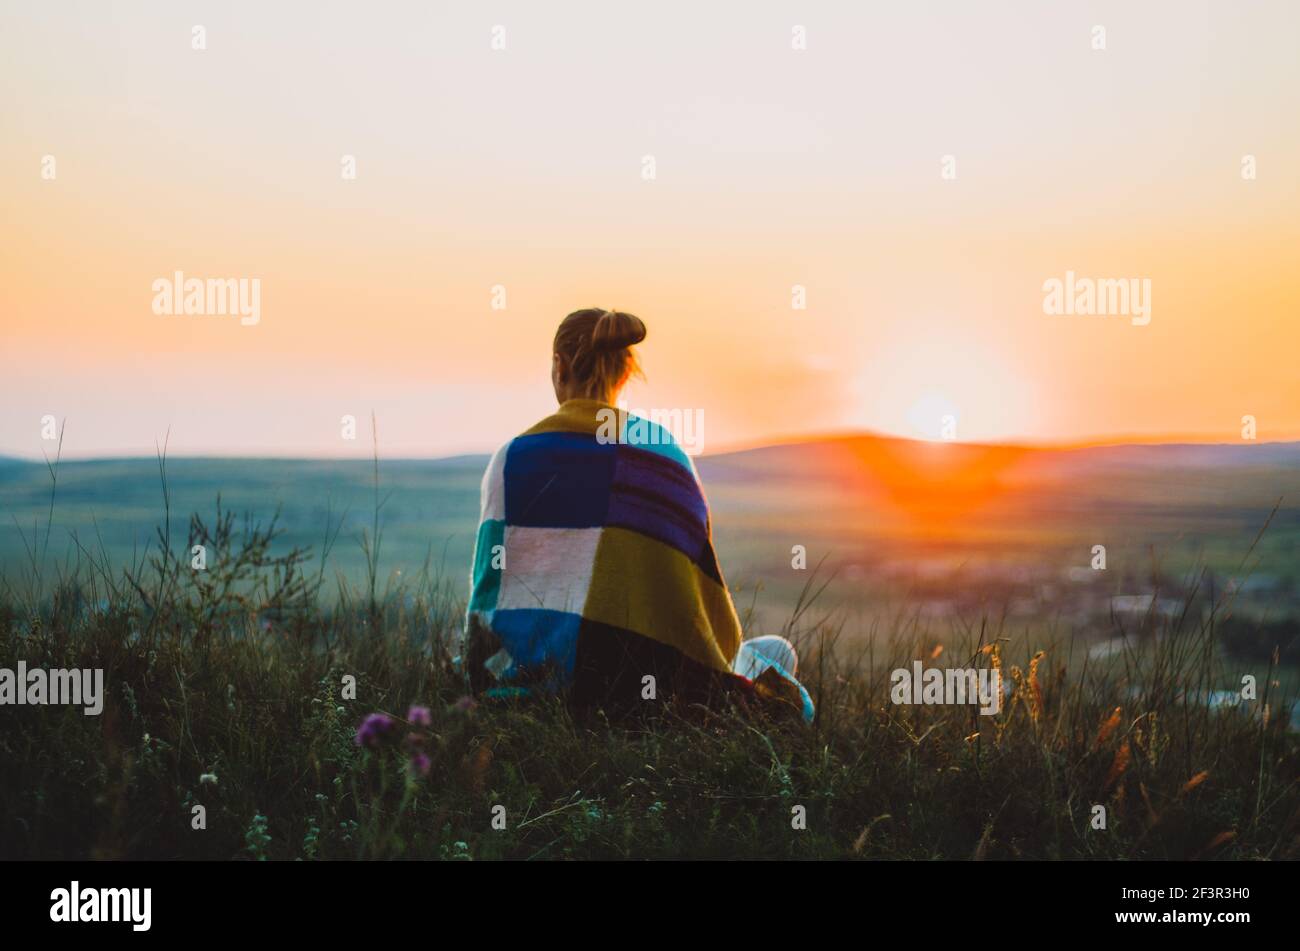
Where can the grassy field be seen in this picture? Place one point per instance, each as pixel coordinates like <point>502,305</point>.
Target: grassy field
<point>227,688</point>
<point>254,728</point>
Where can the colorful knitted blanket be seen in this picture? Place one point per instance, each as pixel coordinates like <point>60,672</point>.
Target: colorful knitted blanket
<point>594,570</point>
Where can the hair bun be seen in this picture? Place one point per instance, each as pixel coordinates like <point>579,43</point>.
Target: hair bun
<point>616,330</point>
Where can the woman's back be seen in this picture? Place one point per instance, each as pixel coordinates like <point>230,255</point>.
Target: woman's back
<point>594,566</point>
<point>594,570</point>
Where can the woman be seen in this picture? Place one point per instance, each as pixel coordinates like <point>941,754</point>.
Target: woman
<point>594,571</point>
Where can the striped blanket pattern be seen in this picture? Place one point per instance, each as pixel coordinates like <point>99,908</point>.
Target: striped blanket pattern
<point>594,567</point>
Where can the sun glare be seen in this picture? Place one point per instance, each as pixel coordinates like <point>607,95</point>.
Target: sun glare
<point>959,391</point>
<point>930,416</point>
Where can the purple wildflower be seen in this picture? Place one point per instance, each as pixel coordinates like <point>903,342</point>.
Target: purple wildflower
<point>465,704</point>
<point>419,716</point>
<point>421,764</point>
<point>374,729</point>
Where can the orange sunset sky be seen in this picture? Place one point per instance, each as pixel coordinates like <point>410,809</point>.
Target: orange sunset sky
<point>523,167</point>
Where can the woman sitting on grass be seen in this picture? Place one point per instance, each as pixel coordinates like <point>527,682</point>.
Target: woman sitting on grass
<point>594,571</point>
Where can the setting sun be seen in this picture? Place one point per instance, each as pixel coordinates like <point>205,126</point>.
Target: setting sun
<point>941,383</point>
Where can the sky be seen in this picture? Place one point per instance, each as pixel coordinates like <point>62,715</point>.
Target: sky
<point>916,173</point>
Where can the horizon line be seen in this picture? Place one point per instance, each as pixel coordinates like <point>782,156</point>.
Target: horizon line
<point>1109,442</point>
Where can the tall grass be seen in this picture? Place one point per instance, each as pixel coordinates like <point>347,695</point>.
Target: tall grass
<point>225,690</point>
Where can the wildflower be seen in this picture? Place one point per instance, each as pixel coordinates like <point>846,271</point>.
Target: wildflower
<point>1118,765</point>
<point>374,729</point>
<point>1221,839</point>
<point>206,778</point>
<point>421,764</point>
<point>1107,729</point>
<point>1035,691</point>
<point>465,704</point>
<point>419,716</point>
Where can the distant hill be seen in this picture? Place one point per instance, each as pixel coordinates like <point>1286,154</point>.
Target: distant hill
<point>836,450</point>
<point>859,499</point>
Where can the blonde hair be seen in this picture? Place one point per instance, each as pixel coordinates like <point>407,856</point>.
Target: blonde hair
<point>597,344</point>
